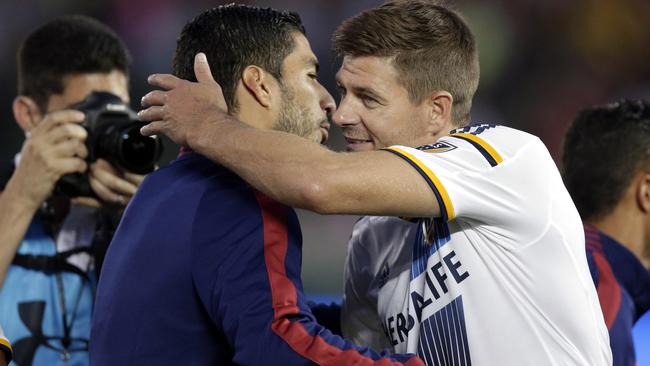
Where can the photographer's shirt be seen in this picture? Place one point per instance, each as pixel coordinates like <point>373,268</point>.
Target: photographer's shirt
<point>204,270</point>
<point>46,313</point>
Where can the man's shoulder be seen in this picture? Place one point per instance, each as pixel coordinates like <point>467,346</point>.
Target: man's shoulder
<point>492,130</point>
<point>192,174</point>
<point>193,187</point>
<point>496,140</point>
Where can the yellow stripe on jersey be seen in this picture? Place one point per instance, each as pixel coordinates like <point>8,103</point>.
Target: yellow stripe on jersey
<point>441,191</point>
<point>489,149</point>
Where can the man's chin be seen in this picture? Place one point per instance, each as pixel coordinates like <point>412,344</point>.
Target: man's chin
<point>320,136</point>
<point>360,146</point>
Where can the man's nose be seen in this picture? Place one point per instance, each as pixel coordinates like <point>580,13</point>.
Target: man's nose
<point>344,115</point>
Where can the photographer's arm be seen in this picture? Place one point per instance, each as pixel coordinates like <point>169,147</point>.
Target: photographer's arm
<point>55,147</point>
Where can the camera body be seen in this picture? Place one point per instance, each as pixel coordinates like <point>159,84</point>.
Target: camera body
<point>113,135</point>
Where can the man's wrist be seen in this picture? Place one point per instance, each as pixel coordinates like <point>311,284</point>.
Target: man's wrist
<point>17,196</point>
<point>212,133</point>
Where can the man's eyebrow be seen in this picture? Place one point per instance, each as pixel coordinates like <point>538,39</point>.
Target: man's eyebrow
<point>366,91</point>
<point>312,61</point>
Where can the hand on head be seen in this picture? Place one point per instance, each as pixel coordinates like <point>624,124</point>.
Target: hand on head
<point>182,107</point>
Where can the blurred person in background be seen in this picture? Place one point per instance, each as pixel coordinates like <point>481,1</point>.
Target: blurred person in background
<point>495,212</point>
<point>606,168</point>
<point>49,242</point>
<point>204,269</point>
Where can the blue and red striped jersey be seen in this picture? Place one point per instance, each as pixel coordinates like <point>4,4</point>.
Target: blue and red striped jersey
<point>623,285</point>
<point>204,270</point>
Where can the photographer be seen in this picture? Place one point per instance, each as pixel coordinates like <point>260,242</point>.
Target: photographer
<point>51,244</point>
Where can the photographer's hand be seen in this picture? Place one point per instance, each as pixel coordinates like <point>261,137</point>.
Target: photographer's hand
<point>54,147</point>
<point>111,185</point>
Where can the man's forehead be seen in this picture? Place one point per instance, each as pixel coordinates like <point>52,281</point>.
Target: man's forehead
<point>78,86</point>
<point>367,69</point>
<point>302,56</point>
<point>303,49</point>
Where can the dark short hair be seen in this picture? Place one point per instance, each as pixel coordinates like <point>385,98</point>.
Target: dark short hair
<point>604,148</point>
<point>73,44</point>
<point>431,46</point>
<point>233,37</point>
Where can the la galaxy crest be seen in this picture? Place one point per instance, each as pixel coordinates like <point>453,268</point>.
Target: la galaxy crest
<point>437,147</point>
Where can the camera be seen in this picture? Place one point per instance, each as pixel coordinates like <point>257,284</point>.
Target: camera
<point>113,135</point>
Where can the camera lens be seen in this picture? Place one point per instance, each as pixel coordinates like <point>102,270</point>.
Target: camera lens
<point>118,140</point>
<point>138,153</point>
<point>114,135</point>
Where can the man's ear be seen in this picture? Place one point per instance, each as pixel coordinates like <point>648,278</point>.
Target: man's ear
<point>439,105</point>
<point>258,83</point>
<point>26,112</point>
<point>643,192</point>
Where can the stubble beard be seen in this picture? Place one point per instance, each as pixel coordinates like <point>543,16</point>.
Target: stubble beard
<point>296,119</point>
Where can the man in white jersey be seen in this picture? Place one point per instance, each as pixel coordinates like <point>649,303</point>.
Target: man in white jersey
<point>496,275</point>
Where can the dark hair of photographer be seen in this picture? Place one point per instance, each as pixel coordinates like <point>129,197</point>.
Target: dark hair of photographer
<point>228,53</point>
<point>68,45</point>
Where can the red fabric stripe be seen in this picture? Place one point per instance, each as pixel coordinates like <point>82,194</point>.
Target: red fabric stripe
<point>590,229</point>
<point>322,353</point>
<point>185,151</point>
<point>594,245</point>
<point>592,237</point>
<point>283,292</point>
<point>609,291</point>
<point>284,298</point>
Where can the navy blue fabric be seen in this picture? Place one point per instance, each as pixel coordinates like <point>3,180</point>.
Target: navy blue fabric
<point>185,280</point>
<point>328,316</point>
<point>634,281</point>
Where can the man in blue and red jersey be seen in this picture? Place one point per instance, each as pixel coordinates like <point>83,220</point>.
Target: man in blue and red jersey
<point>607,171</point>
<point>204,269</point>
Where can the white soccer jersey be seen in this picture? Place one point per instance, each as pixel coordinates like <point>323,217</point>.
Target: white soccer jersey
<point>500,279</point>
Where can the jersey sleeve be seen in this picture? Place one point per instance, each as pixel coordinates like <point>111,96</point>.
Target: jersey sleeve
<point>502,182</point>
<point>247,275</point>
<point>360,320</point>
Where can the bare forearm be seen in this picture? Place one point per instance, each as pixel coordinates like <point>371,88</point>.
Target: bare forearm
<point>16,214</point>
<point>281,165</point>
<point>303,174</point>
<point>288,168</point>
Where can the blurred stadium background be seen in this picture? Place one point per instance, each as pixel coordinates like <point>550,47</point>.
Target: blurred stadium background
<point>540,62</point>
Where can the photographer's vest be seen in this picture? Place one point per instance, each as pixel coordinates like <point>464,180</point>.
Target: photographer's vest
<point>47,298</point>
<point>46,306</point>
